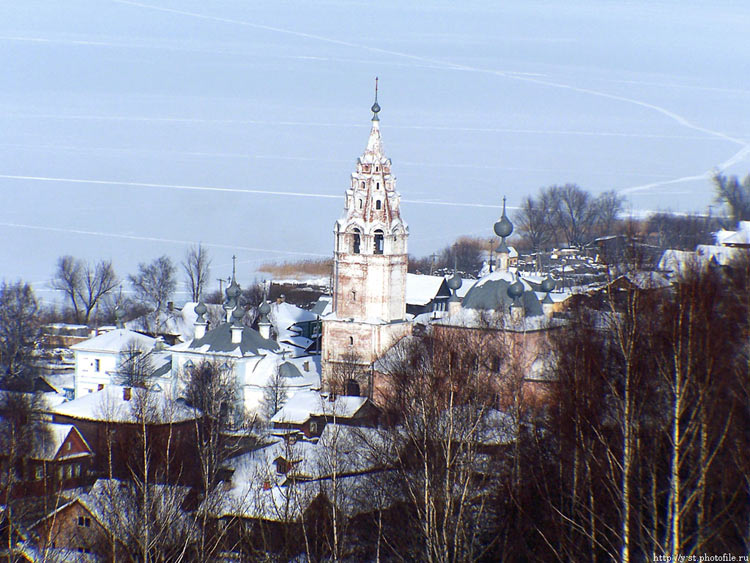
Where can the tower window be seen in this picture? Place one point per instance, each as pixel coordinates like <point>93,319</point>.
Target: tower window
<point>360,204</point>
<point>363,185</point>
<point>356,242</point>
<point>351,341</point>
<point>377,185</point>
<point>354,294</point>
<point>378,204</point>
<point>378,242</point>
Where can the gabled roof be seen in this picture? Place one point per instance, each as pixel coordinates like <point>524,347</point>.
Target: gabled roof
<point>53,439</point>
<point>420,290</point>
<point>114,341</point>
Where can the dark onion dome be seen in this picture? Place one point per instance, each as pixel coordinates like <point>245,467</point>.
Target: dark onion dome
<point>233,290</point>
<point>229,304</point>
<point>515,290</point>
<point>237,315</point>
<point>200,310</point>
<point>375,108</point>
<point>454,282</point>
<point>264,308</point>
<point>503,226</point>
<point>547,285</point>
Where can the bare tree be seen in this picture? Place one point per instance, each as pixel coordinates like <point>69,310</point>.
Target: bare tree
<point>84,285</point>
<point>197,266</point>
<point>20,332</point>
<point>275,394</point>
<point>735,195</point>
<point>533,221</point>
<point>154,284</point>
<point>573,212</point>
<point>210,389</point>
<point>608,209</point>
<point>135,365</point>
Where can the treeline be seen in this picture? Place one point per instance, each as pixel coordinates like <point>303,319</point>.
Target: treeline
<point>93,290</point>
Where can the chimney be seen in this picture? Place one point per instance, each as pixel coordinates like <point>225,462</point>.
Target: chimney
<point>100,387</point>
<point>127,393</point>
<point>200,330</point>
<point>236,334</point>
<point>264,328</point>
<point>266,485</point>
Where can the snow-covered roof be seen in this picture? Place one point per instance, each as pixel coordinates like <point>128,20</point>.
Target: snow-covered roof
<point>723,255</point>
<point>285,318</point>
<point>741,236</point>
<point>115,341</point>
<point>305,404</point>
<point>219,341</point>
<point>420,290</point>
<point>53,437</point>
<point>110,404</point>
<point>292,371</point>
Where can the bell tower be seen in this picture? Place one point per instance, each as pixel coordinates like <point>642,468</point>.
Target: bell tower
<point>370,262</point>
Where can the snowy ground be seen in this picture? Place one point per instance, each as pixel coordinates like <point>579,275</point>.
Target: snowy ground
<point>133,128</point>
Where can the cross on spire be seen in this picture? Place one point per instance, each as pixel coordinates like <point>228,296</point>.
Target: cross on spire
<point>375,107</point>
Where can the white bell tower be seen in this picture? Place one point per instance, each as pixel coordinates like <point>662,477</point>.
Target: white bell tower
<point>370,262</point>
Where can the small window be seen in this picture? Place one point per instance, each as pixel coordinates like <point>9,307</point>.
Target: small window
<point>360,204</point>
<point>363,185</point>
<point>354,294</point>
<point>351,341</point>
<point>77,470</point>
<point>97,365</point>
<point>87,523</point>
<point>68,446</point>
<point>377,185</point>
<point>378,204</point>
<point>68,472</point>
<point>80,520</point>
<point>313,428</point>
<point>59,473</point>
<point>356,243</point>
<point>38,472</point>
<point>378,242</point>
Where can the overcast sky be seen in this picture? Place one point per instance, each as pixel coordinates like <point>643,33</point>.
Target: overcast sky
<point>130,129</point>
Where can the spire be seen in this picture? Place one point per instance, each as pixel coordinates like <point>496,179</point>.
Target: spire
<point>375,107</point>
<point>374,152</point>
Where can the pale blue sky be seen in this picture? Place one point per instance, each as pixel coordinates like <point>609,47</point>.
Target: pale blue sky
<point>119,119</point>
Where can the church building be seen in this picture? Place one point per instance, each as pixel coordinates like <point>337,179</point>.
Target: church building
<point>370,263</point>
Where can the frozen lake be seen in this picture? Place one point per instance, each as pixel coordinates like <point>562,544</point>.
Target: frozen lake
<point>132,129</point>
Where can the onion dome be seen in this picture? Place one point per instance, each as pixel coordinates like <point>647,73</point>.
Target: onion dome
<point>515,290</point>
<point>547,285</point>
<point>454,282</point>
<point>237,315</point>
<point>503,226</point>
<point>200,310</point>
<point>264,308</point>
<point>233,290</point>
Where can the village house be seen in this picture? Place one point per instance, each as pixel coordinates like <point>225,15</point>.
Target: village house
<point>112,420</point>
